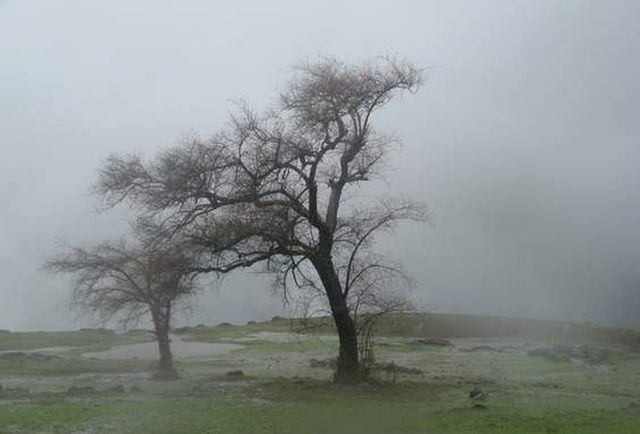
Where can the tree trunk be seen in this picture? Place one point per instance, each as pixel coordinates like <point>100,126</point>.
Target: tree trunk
<point>165,362</point>
<point>348,366</point>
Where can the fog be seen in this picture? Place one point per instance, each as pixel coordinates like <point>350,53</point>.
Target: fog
<point>523,140</point>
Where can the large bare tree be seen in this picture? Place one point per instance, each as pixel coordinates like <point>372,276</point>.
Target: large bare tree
<point>114,278</point>
<point>283,189</point>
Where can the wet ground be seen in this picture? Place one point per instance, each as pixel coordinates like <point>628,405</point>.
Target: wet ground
<point>149,350</point>
<point>527,385</point>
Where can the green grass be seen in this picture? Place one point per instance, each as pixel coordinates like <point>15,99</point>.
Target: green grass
<point>64,366</point>
<point>281,393</point>
<point>87,339</point>
<point>288,407</point>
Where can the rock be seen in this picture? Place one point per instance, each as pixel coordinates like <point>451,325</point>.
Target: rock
<point>439,342</point>
<point>398,369</point>
<point>236,373</point>
<point>224,324</point>
<point>477,394</point>
<point>136,388</point>
<point>635,405</point>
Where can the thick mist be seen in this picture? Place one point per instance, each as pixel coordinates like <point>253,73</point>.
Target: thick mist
<point>523,141</point>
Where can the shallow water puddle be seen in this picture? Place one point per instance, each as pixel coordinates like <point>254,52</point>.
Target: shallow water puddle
<point>179,348</point>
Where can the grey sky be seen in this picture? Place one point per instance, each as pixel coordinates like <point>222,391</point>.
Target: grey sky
<point>524,140</point>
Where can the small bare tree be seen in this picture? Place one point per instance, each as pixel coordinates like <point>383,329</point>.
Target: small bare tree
<point>279,189</point>
<point>113,278</point>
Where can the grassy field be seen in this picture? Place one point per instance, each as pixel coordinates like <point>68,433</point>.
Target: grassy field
<point>538,377</point>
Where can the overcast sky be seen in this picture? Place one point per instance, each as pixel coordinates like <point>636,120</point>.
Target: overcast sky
<point>523,141</point>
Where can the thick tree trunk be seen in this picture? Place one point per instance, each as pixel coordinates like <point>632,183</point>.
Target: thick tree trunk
<point>165,362</point>
<point>348,367</point>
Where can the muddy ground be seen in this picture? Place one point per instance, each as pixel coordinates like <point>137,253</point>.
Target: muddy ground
<point>266,379</point>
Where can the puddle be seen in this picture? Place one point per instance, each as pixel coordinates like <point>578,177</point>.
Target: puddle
<point>179,348</point>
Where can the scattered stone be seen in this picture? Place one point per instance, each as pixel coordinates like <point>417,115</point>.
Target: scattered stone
<point>136,388</point>
<point>397,369</point>
<point>477,394</point>
<point>439,342</point>
<point>236,373</point>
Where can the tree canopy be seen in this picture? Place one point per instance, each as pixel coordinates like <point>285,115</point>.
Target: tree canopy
<point>281,188</point>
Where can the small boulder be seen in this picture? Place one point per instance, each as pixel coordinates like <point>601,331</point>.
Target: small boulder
<point>477,394</point>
